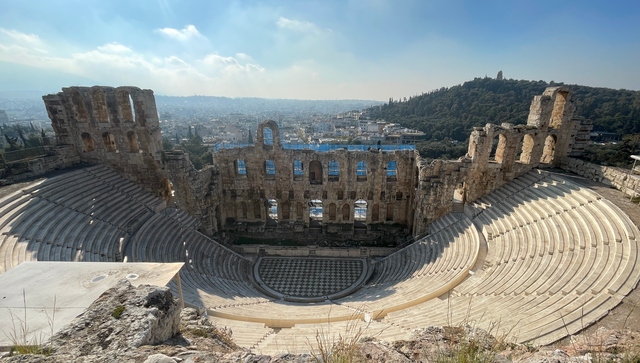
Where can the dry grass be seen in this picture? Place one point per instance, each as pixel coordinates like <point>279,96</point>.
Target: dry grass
<point>23,340</point>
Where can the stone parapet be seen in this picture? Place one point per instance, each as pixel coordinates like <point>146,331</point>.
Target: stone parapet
<point>618,178</point>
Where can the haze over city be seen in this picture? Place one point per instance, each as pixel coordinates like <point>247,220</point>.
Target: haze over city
<point>357,49</point>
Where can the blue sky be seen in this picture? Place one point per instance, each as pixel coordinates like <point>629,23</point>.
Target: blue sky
<point>356,49</point>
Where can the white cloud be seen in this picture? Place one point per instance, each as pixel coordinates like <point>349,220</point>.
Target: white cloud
<point>22,38</point>
<point>298,25</point>
<point>114,48</point>
<point>187,33</point>
<point>173,60</point>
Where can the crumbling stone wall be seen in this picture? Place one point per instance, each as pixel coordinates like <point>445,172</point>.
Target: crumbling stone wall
<point>119,127</point>
<point>619,178</point>
<point>499,153</point>
<point>251,176</point>
<point>114,126</point>
<point>194,191</point>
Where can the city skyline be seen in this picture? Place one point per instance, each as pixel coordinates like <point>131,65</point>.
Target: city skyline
<point>359,49</point>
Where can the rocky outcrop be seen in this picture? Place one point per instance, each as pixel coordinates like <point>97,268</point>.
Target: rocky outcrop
<point>145,325</point>
<point>122,319</point>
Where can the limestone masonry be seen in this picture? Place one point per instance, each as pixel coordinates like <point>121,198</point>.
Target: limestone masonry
<point>379,194</point>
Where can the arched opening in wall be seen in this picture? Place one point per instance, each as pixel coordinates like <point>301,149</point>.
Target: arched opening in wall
<point>498,146</point>
<point>241,168</point>
<point>549,150</point>
<point>346,212</point>
<point>299,211</point>
<point>473,147</point>
<point>81,110</point>
<point>133,108</point>
<point>458,194</point>
<point>272,212</point>
<point>375,213</point>
<point>390,208</point>
<point>392,171</point>
<point>132,142</point>
<point>360,213</point>
<point>334,171</point>
<point>125,106</point>
<point>87,142</point>
<point>166,189</point>
<point>109,141</point>
<point>361,171</point>
<point>558,109</point>
<point>399,196</point>
<point>269,170</point>
<point>285,211</point>
<point>267,136</point>
<point>526,149</point>
<point>218,218</point>
<point>298,172</point>
<point>332,212</point>
<point>100,105</point>
<point>257,210</point>
<point>458,199</point>
<point>315,172</point>
<point>243,208</point>
<point>315,213</point>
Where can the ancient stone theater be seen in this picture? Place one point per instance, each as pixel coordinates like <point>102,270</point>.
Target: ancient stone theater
<point>506,237</point>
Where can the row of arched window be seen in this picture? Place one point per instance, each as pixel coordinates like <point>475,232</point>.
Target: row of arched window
<point>109,142</point>
<point>315,170</point>
<point>99,105</point>
<point>499,146</point>
<point>317,211</point>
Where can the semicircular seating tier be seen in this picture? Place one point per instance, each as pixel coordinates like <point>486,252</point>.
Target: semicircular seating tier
<point>559,258</point>
<point>537,259</point>
<point>84,215</point>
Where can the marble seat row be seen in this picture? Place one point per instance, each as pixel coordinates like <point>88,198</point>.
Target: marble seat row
<point>558,257</point>
<point>213,275</point>
<point>83,215</point>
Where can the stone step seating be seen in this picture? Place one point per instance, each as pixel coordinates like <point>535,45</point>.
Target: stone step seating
<point>444,222</point>
<point>559,257</point>
<point>82,215</point>
<point>421,271</point>
<point>245,334</point>
<point>303,338</point>
<point>213,276</point>
<point>281,314</point>
<point>184,219</point>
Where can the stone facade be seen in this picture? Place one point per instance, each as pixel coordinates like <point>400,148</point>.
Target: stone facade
<point>114,126</point>
<point>266,187</point>
<point>383,182</point>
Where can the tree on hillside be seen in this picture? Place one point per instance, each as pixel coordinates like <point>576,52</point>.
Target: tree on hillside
<point>199,154</point>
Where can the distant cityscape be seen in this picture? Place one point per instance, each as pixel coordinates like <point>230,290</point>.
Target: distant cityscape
<point>225,121</point>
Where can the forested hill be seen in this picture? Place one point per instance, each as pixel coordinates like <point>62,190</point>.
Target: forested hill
<point>452,112</point>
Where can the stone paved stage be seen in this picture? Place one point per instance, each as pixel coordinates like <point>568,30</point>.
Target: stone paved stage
<point>310,279</point>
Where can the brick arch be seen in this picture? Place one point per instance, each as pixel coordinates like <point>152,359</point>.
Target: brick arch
<point>79,106</point>
<point>498,147</point>
<point>527,144</point>
<point>87,142</point>
<point>125,105</point>
<point>315,172</point>
<point>549,150</point>
<point>109,142</point>
<point>99,103</point>
<point>275,130</point>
